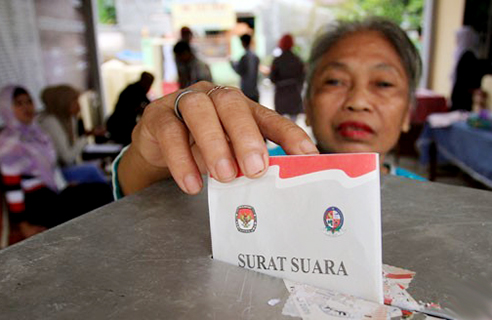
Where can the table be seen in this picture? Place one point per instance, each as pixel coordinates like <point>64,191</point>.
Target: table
<point>428,102</point>
<point>147,256</point>
<point>101,151</point>
<point>470,149</point>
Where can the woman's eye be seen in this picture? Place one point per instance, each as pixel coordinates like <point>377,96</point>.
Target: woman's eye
<point>384,84</point>
<point>333,82</point>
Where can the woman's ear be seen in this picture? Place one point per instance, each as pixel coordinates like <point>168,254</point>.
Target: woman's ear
<point>405,126</point>
<point>307,109</point>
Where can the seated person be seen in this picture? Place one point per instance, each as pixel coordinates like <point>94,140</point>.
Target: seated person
<point>59,121</point>
<point>362,78</point>
<point>27,150</point>
<point>131,104</point>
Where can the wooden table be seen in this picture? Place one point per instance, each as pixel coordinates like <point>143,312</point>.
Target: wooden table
<point>148,257</point>
<point>427,103</point>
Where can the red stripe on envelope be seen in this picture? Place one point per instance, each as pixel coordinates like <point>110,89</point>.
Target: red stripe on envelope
<point>354,165</point>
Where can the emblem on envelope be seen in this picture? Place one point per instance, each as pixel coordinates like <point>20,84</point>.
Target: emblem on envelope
<point>245,219</point>
<point>333,219</point>
<point>311,219</point>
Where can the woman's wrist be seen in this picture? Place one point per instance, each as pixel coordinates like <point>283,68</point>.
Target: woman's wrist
<point>135,173</point>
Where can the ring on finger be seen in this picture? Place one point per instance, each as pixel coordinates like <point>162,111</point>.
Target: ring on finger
<point>176,103</point>
<point>209,92</point>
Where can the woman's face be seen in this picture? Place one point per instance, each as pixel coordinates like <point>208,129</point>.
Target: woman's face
<point>360,96</point>
<point>74,107</point>
<point>23,108</point>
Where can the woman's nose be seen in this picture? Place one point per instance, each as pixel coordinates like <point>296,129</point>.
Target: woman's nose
<point>358,100</point>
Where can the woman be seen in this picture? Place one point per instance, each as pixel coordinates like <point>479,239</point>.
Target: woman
<point>468,70</point>
<point>59,120</point>
<point>287,73</point>
<point>361,84</point>
<point>27,150</point>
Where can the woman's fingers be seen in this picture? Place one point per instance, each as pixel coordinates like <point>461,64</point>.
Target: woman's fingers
<point>282,131</point>
<point>201,118</point>
<point>221,130</point>
<point>237,119</point>
<point>163,141</point>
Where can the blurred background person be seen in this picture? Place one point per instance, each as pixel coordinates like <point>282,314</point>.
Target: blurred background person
<point>468,70</point>
<point>60,121</point>
<point>186,34</point>
<point>26,149</point>
<point>287,73</point>
<point>190,68</point>
<point>247,69</point>
<point>131,103</point>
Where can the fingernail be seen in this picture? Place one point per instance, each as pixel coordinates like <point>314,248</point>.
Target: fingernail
<point>308,147</point>
<point>225,170</point>
<point>254,164</point>
<point>192,184</point>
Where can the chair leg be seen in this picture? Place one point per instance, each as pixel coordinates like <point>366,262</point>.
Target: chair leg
<point>4,225</point>
<point>432,161</point>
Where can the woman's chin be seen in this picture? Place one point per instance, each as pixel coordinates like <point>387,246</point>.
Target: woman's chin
<point>351,147</point>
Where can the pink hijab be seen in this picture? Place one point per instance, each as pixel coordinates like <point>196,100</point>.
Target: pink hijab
<point>25,148</point>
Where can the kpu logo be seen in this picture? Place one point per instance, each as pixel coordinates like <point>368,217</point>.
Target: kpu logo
<point>333,219</point>
<point>246,219</point>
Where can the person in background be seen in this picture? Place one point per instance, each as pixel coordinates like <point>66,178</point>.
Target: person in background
<point>186,34</point>
<point>362,78</point>
<point>287,73</point>
<point>468,70</point>
<point>29,152</point>
<point>190,68</point>
<point>247,69</point>
<point>59,121</point>
<point>131,103</point>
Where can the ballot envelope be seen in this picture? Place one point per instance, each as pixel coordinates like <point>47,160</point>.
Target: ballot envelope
<point>314,219</point>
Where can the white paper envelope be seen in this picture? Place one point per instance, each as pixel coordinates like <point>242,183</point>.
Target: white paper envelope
<point>311,219</point>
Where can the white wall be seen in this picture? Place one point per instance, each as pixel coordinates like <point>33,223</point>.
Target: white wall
<point>448,18</point>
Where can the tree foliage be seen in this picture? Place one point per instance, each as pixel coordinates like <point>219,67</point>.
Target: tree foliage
<point>406,13</point>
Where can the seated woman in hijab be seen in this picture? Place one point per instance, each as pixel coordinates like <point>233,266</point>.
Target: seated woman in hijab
<point>59,121</point>
<point>29,153</point>
<point>362,77</point>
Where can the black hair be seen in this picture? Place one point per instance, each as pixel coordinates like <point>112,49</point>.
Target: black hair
<point>19,91</point>
<point>146,76</point>
<point>182,47</point>
<point>246,40</point>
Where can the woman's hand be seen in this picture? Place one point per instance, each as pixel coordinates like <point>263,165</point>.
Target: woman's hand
<point>222,132</point>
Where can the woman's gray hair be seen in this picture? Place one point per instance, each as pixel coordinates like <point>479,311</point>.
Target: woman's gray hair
<point>407,52</point>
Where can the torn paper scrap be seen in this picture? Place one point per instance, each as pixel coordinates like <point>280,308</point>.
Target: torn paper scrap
<point>313,303</point>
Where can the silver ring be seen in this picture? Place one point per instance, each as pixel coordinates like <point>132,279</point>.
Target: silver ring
<point>209,92</point>
<point>176,103</point>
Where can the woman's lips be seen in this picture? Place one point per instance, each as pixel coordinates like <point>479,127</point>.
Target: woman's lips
<point>355,130</point>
